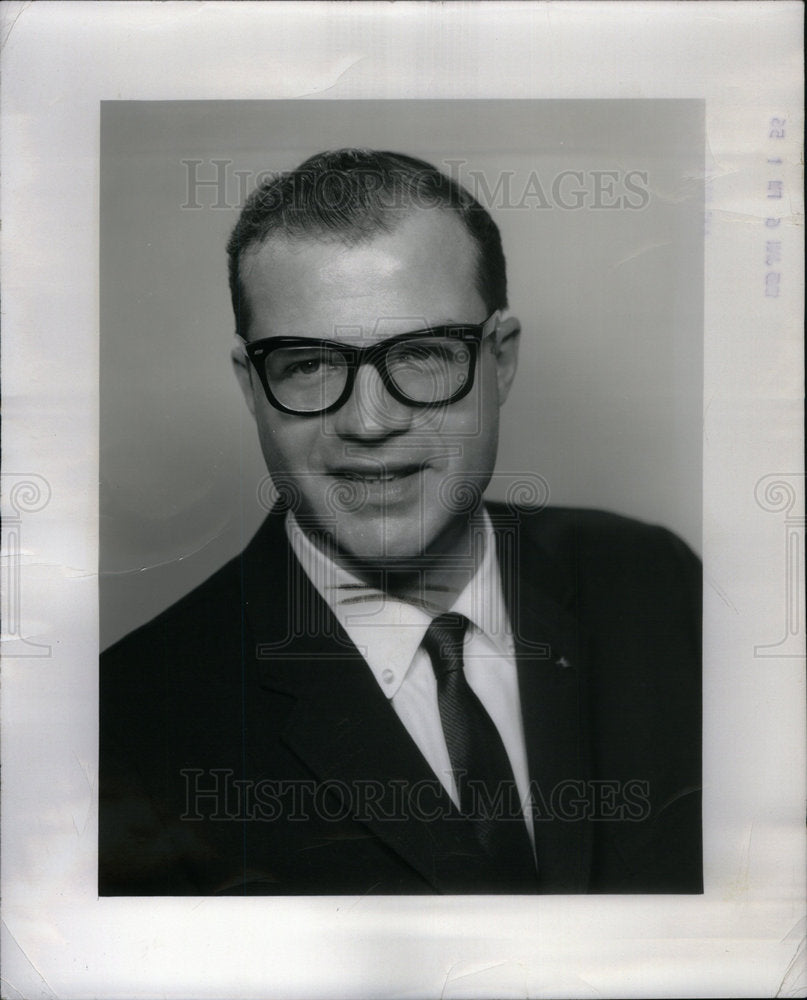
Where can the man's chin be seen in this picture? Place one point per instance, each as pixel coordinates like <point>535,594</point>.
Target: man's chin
<point>387,544</point>
<point>376,553</point>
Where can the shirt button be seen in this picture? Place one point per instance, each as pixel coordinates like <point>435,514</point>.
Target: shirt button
<point>387,676</point>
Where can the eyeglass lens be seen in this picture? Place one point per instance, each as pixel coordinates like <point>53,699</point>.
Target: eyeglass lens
<point>429,370</point>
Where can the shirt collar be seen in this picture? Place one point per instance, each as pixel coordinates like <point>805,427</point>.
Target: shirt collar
<point>388,631</point>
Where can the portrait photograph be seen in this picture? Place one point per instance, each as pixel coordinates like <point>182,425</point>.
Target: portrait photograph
<point>403,500</point>
<point>303,740</point>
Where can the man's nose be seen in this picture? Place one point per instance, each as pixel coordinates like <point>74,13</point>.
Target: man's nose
<point>371,412</point>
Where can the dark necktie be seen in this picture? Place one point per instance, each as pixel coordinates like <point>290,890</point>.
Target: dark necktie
<point>485,784</point>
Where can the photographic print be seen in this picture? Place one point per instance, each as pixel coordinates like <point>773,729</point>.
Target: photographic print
<point>402,500</point>
<point>400,686</point>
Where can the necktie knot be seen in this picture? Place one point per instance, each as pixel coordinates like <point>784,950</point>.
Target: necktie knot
<point>444,641</point>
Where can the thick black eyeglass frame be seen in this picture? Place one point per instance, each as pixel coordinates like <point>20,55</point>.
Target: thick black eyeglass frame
<point>373,354</point>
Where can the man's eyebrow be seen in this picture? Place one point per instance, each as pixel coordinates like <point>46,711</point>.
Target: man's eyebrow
<point>351,330</point>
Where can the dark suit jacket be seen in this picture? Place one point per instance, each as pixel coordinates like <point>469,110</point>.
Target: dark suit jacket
<point>247,748</point>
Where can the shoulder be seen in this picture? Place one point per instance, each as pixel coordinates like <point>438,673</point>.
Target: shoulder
<point>605,562</point>
<point>181,672</point>
<point>204,610</point>
<point>210,612</point>
<point>590,535</point>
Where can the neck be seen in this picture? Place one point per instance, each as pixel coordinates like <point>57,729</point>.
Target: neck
<point>433,579</point>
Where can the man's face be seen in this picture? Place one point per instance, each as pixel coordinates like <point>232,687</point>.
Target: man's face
<point>381,476</point>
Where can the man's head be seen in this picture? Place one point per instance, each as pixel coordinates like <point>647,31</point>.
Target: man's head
<point>355,248</point>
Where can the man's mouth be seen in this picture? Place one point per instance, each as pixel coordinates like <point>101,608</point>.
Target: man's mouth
<point>376,475</point>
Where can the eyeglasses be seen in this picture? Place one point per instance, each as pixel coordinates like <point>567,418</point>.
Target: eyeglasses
<point>433,367</point>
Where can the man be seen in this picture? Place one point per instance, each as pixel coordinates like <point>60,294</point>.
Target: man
<point>397,688</point>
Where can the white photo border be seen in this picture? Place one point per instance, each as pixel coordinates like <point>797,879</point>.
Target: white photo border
<point>60,60</point>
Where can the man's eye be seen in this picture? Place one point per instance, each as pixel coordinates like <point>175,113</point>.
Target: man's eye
<point>428,354</point>
<point>412,352</point>
<point>308,367</point>
<point>301,367</point>
<point>420,352</point>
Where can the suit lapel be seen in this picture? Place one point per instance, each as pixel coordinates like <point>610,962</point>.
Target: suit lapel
<point>345,729</point>
<point>342,725</point>
<point>551,674</point>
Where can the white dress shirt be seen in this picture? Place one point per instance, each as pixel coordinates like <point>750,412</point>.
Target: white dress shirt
<point>388,633</point>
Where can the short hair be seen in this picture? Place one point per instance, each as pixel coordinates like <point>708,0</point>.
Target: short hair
<point>352,195</point>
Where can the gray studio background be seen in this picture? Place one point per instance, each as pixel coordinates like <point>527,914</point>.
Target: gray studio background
<point>607,405</point>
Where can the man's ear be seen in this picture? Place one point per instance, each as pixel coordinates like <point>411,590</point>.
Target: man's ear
<point>508,330</point>
<point>243,372</point>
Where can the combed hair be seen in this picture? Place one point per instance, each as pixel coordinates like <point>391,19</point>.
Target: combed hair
<point>350,196</point>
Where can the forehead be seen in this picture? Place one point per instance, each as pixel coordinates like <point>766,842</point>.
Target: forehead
<point>423,272</point>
